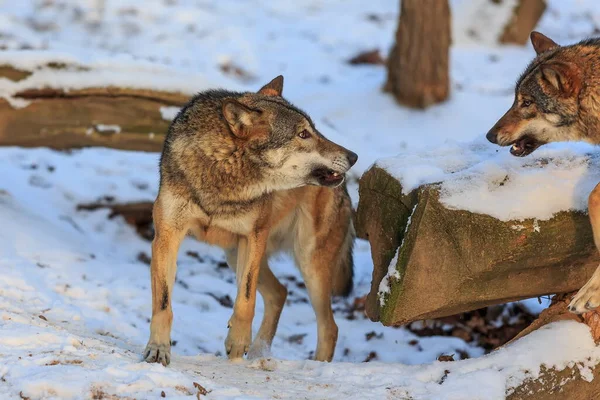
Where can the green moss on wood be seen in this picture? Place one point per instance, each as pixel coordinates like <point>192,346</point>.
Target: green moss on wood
<point>454,260</point>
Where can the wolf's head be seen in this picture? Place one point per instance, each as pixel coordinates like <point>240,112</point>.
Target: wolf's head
<point>546,106</point>
<point>284,141</point>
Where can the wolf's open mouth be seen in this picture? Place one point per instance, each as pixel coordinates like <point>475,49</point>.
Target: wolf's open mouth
<point>328,177</point>
<point>524,146</point>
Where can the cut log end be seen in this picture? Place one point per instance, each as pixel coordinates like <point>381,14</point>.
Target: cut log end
<point>454,261</point>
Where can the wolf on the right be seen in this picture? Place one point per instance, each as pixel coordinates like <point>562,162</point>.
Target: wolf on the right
<point>557,98</point>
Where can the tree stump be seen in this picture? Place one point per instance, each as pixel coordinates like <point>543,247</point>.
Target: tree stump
<point>418,63</point>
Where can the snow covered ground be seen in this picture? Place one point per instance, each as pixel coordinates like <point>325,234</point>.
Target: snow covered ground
<point>74,291</point>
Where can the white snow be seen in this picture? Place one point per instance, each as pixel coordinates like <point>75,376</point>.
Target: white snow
<point>169,113</point>
<point>487,180</point>
<point>75,298</point>
<point>79,270</point>
<point>104,128</point>
<point>393,273</point>
<point>480,23</point>
<point>93,71</point>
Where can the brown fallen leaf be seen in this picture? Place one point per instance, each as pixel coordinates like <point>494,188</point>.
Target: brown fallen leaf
<point>144,258</point>
<point>446,358</point>
<point>373,335</point>
<point>42,317</point>
<point>372,356</point>
<point>372,57</point>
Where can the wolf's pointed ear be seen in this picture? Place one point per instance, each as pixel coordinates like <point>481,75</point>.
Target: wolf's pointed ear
<point>563,77</point>
<point>541,42</point>
<point>239,117</point>
<point>273,88</point>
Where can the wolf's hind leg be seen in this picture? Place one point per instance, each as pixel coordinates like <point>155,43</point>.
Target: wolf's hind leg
<point>316,266</point>
<point>588,297</point>
<point>274,295</point>
<point>167,239</point>
<point>317,277</point>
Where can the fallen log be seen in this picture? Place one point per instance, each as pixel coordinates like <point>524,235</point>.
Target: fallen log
<point>115,117</point>
<point>567,383</point>
<point>453,261</point>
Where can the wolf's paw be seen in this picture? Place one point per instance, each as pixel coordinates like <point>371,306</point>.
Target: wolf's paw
<point>260,348</point>
<point>158,353</point>
<point>587,299</point>
<point>238,339</point>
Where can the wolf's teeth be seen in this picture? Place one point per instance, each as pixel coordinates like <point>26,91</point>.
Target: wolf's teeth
<point>515,147</point>
<point>336,174</point>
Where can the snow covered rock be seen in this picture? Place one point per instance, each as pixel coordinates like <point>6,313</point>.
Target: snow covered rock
<point>432,261</point>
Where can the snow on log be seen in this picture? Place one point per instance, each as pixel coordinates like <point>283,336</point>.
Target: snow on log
<point>572,382</point>
<point>53,106</point>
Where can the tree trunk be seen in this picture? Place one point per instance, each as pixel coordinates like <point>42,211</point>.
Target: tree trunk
<point>523,20</point>
<point>418,62</point>
<point>453,261</point>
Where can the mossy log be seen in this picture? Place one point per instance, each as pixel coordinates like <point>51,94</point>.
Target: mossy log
<point>453,261</point>
<point>115,117</point>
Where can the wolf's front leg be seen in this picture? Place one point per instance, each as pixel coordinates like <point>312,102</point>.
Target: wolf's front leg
<point>167,239</point>
<point>588,297</point>
<point>251,251</point>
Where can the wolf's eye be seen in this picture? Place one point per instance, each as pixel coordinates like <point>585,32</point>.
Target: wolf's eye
<point>304,134</point>
<point>526,103</point>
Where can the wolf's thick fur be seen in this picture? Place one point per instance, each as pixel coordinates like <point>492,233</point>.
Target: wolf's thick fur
<point>558,99</point>
<point>250,172</point>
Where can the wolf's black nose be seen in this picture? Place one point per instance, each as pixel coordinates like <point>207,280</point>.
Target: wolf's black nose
<point>352,157</point>
<point>492,136</point>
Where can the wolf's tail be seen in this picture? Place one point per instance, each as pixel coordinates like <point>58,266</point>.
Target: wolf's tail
<point>343,275</point>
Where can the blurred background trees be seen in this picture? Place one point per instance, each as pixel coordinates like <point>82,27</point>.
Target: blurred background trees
<point>418,63</point>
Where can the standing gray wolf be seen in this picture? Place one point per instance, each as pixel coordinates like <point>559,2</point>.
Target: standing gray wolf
<point>251,173</point>
<point>557,98</point>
